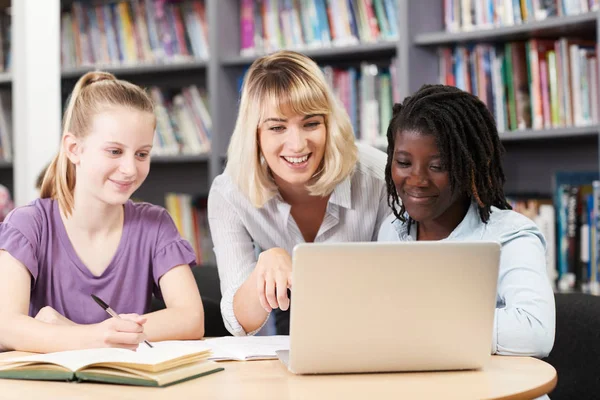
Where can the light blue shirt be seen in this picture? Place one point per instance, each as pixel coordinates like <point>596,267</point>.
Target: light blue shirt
<point>524,320</point>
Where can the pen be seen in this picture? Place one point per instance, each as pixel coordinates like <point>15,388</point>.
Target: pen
<point>111,312</point>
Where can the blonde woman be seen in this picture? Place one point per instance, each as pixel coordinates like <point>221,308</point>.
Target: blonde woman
<point>294,175</point>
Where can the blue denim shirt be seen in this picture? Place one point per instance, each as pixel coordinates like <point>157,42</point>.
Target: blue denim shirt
<point>524,321</point>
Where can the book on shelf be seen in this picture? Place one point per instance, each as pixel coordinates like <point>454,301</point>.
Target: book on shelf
<point>541,210</point>
<point>163,365</point>
<point>469,15</point>
<point>368,93</point>
<point>133,32</point>
<point>6,126</point>
<point>534,84</point>
<point>268,25</point>
<point>183,122</point>
<point>190,217</point>
<point>569,219</point>
<point>5,40</point>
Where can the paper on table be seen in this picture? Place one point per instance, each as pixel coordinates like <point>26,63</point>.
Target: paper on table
<point>246,348</point>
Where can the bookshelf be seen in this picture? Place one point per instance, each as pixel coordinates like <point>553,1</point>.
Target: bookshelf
<point>218,74</point>
<point>557,133</point>
<point>582,25</point>
<point>532,155</point>
<point>326,54</point>
<point>134,70</point>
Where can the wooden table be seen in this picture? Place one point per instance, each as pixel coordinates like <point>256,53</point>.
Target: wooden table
<point>504,378</point>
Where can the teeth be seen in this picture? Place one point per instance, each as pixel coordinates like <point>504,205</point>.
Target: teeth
<point>296,160</point>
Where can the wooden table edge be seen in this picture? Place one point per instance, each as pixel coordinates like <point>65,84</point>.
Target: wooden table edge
<point>534,393</point>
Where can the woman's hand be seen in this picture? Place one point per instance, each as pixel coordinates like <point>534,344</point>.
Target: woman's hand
<point>273,274</point>
<point>126,333</point>
<point>50,316</point>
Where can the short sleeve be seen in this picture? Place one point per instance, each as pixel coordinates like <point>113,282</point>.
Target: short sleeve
<point>171,249</point>
<point>18,236</point>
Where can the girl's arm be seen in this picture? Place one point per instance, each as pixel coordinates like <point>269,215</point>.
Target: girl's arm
<point>18,331</point>
<point>184,316</point>
<point>525,325</point>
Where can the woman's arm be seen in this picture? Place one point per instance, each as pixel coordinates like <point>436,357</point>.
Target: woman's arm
<point>18,331</point>
<point>240,305</point>
<point>183,319</point>
<point>268,283</point>
<point>525,326</point>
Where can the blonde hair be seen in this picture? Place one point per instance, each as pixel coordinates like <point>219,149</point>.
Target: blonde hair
<point>94,92</point>
<point>290,81</point>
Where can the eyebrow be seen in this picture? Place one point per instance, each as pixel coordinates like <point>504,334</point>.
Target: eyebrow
<point>406,153</point>
<point>121,144</point>
<point>285,120</point>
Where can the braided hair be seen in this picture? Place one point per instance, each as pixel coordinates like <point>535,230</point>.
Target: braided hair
<point>467,138</point>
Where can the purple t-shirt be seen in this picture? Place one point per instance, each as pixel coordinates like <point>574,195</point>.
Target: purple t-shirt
<point>150,246</point>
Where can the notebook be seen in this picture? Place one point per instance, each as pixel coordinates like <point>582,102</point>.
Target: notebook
<point>160,366</point>
<point>242,348</point>
<point>247,348</point>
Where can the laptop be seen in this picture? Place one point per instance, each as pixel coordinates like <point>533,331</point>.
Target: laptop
<point>387,307</point>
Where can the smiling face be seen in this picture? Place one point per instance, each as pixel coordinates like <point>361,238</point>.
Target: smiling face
<point>421,179</point>
<point>113,160</point>
<point>292,145</point>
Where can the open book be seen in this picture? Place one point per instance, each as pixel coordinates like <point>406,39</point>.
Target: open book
<point>162,365</point>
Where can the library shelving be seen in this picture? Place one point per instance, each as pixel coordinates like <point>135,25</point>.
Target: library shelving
<point>532,155</point>
<point>218,73</point>
<point>133,70</point>
<point>582,25</point>
<point>359,52</point>
<point>555,167</point>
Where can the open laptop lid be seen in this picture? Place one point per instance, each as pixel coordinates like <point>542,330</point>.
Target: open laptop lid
<point>365,307</point>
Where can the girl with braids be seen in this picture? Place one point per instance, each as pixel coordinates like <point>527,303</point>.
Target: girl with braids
<point>445,181</point>
<point>85,236</point>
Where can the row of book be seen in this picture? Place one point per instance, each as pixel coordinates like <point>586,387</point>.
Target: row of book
<point>368,94</point>
<point>183,121</point>
<point>5,36</point>
<point>537,84</point>
<point>130,32</point>
<point>270,25</point>
<point>543,213</point>
<point>190,217</point>
<point>6,128</point>
<point>468,15</point>
<point>570,223</point>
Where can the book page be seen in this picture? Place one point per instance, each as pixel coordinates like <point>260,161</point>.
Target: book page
<point>75,360</point>
<point>247,347</point>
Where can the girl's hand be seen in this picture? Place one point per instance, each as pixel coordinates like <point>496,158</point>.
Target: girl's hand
<point>273,273</point>
<point>50,316</point>
<point>126,332</point>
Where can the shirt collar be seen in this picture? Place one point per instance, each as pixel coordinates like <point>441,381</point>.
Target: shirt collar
<point>468,227</point>
<point>342,194</point>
